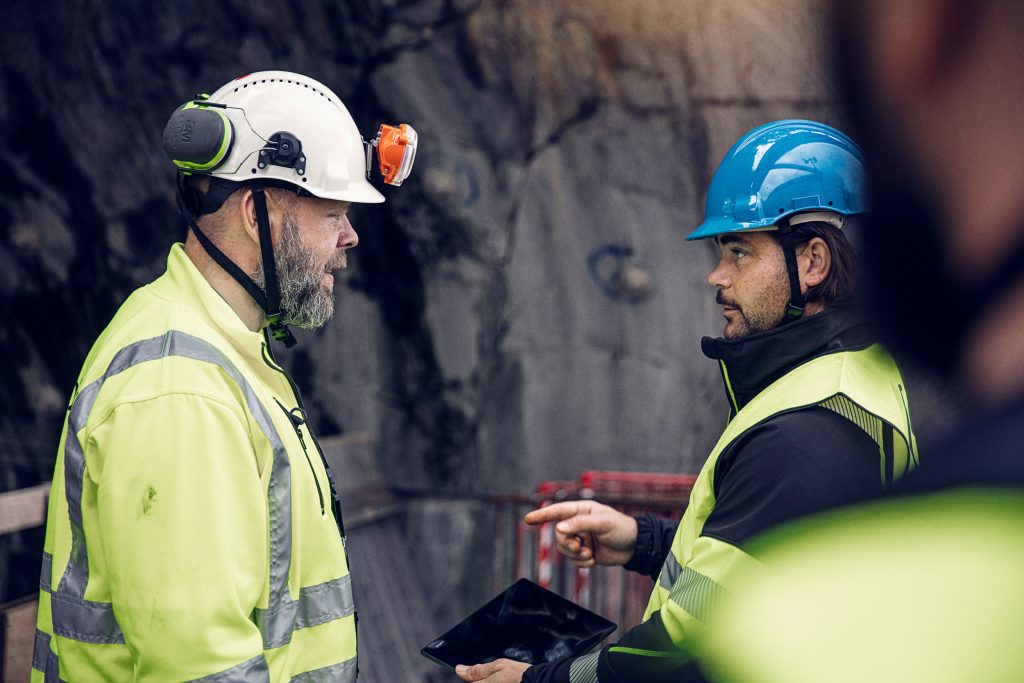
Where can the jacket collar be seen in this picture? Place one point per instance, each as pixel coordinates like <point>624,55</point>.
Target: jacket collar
<point>752,363</point>
<point>192,289</point>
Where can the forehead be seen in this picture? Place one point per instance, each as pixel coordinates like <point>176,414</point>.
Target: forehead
<point>324,205</point>
<point>757,239</point>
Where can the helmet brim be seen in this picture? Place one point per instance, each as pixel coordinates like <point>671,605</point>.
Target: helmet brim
<point>713,228</point>
<point>357,193</point>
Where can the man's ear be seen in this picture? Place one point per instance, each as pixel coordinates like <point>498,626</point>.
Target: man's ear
<point>247,214</point>
<point>814,262</point>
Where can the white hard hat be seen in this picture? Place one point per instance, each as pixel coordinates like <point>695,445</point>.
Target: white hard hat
<point>275,126</point>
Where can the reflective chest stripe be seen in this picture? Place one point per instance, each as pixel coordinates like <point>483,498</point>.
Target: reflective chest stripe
<point>83,620</point>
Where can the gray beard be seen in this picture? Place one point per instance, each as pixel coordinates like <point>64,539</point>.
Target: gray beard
<point>304,301</point>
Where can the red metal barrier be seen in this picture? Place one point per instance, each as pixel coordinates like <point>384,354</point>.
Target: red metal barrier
<point>525,551</point>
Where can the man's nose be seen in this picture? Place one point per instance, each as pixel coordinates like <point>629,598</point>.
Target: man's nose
<point>718,278</point>
<point>348,237</point>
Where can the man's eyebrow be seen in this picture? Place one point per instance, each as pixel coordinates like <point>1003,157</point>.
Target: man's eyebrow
<point>730,239</point>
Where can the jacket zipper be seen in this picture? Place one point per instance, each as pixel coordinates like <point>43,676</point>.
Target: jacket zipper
<point>297,421</point>
<point>268,358</point>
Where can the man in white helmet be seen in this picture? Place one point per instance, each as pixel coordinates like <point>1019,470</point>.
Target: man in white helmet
<point>193,530</point>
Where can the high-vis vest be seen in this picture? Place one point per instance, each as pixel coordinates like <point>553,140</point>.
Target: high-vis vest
<point>863,386</point>
<point>909,589</point>
<point>190,534</point>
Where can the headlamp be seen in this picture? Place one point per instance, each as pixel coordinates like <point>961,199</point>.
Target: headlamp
<point>396,152</point>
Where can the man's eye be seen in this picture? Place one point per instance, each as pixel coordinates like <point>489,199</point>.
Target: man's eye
<point>738,252</point>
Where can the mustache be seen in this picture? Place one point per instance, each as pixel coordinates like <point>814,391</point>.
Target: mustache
<point>722,301</point>
<point>338,264</point>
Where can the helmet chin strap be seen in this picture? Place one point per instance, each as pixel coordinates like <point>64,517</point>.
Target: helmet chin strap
<point>269,301</point>
<point>795,308</point>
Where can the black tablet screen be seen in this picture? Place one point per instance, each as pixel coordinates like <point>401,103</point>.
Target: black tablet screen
<point>526,623</point>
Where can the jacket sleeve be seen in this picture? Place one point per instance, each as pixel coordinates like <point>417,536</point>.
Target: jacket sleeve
<point>182,513</point>
<point>653,544</point>
<point>644,653</point>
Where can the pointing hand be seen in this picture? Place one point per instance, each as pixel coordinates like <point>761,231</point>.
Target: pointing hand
<point>589,533</point>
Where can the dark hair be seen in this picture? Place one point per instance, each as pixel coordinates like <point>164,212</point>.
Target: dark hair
<point>841,282</point>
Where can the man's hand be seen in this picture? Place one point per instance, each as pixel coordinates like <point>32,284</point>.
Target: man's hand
<point>498,671</point>
<point>589,533</point>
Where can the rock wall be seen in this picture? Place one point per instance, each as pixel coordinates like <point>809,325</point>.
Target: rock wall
<point>524,308</point>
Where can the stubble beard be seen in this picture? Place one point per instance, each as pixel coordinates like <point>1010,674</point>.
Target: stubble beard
<point>763,315</point>
<point>305,301</point>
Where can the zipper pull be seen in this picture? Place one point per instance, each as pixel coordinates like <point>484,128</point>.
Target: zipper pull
<point>297,416</point>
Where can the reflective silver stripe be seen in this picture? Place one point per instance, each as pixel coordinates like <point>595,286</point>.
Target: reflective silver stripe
<point>584,669</point>
<point>316,605</point>
<point>52,674</point>
<point>45,572</point>
<point>345,672</point>
<point>76,576</point>
<point>696,593</point>
<point>280,491</point>
<point>40,650</point>
<point>253,670</point>
<point>670,571</point>
<point>83,618</point>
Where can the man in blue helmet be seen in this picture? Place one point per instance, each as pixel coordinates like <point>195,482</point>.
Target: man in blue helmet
<point>924,585</point>
<point>818,412</point>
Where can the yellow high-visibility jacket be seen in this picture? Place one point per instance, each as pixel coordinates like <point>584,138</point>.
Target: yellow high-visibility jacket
<point>190,532</point>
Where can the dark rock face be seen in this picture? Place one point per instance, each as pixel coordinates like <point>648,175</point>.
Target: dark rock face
<point>523,308</point>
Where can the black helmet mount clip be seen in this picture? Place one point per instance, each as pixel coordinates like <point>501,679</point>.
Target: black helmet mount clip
<point>283,149</point>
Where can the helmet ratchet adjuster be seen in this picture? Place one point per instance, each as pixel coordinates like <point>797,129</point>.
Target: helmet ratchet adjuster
<point>283,149</point>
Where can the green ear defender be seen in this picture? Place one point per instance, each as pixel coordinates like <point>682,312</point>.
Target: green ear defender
<point>198,135</point>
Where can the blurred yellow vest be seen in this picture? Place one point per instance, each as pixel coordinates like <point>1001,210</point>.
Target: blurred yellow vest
<point>915,589</point>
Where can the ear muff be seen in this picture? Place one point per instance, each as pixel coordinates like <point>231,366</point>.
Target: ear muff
<point>198,137</point>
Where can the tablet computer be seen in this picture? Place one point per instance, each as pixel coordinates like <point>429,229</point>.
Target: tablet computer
<point>526,623</point>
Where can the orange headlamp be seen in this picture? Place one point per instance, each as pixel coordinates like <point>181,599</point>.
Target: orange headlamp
<point>396,152</point>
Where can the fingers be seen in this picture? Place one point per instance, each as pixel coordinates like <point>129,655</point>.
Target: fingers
<point>471,673</point>
<point>557,512</point>
<point>478,672</point>
<point>583,563</point>
<point>576,548</point>
<point>580,525</point>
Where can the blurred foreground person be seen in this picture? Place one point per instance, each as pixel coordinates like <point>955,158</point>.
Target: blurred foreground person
<point>193,530</point>
<point>818,415</point>
<point>924,586</point>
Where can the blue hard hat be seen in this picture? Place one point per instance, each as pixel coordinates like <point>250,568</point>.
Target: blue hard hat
<point>781,169</point>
